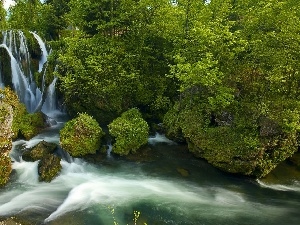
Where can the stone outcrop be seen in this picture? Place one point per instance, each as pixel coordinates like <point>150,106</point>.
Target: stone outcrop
<point>6,119</point>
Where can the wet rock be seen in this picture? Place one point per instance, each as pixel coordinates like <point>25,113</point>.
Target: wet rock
<point>81,136</point>
<point>42,149</point>
<point>13,221</point>
<point>268,127</point>
<point>183,172</point>
<point>49,167</point>
<point>295,159</point>
<point>145,154</point>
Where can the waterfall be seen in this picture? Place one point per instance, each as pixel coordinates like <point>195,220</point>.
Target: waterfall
<point>1,80</point>
<point>44,51</point>
<point>50,101</point>
<point>22,79</point>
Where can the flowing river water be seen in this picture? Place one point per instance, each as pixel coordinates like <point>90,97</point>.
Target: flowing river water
<point>170,187</point>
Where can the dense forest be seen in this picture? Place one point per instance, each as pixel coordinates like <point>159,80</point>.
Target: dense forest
<point>220,75</point>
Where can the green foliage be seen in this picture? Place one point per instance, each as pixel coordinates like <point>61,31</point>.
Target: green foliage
<point>3,23</point>
<point>81,135</point>
<point>229,68</point>
<point>238,75</point>
<point>24,15</point>
<point>130,131</point>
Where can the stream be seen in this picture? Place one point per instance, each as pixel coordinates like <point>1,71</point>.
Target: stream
<point>169,187</point>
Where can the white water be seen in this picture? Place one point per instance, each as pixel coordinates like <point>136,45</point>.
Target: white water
<point>22,79</point>
<point>295,186</point>
<point>43,49</point>
<point>1,81</point>
<point>50,101</point>
<point>160,138</point>
<point>81,186</point>
<point>90,190</point>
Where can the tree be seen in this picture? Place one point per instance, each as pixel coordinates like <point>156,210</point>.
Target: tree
<point>2,16</point>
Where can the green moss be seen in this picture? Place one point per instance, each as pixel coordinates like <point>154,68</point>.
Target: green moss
<point>130,131</point>
<point>31,124</point>
<point>5,169</point>
<point>42,149</point>
<point>244,142</point>
<point>49,167</point>
<point>81,136</point>
<point>24,124</point>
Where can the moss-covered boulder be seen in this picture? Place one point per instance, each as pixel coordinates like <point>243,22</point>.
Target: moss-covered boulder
<point>49,167</point>
<point>24,124</point>
<point>81,135</point>
<point>42,149</point>
<point>245,142</point>
<point>130,131</point>
<point>31,124</point>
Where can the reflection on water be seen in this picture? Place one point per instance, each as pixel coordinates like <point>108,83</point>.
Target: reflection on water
<point>174,188</point>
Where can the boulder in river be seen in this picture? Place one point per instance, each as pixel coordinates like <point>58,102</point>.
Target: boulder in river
<point>42,149</point>
<point>49,167</point>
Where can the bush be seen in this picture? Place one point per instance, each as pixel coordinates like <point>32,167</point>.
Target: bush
<point>81,136</point>
<point>130,131</point>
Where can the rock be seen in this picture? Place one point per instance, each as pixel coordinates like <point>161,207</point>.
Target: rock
<point>295,159</point>
<point>49,167</point>
<point>6,118</point>
<point>183,172</point>
<point>130,131</point>
<point>81,136</point>
<point>39,151</point>
<point>268,127</point>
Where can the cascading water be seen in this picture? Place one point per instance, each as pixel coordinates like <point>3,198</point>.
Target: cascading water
<point>44,51</point>
<point>1,81</point>
<point>15,44</point>
<point>50,103</point>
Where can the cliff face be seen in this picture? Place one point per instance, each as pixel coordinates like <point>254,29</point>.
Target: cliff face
<point>6,119</point>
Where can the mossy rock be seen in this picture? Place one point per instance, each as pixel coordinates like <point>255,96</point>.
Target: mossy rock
<point>31,124</point>
<point>25,125</point>
<point>49,167</point>
<point>5,169</point>
<point>249,145</point>
<point>81,135</point>
<point>42,149</point>
<point>130,131</point>
<point>5,67</point>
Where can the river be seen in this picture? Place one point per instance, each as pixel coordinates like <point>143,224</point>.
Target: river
<point>170,187</point>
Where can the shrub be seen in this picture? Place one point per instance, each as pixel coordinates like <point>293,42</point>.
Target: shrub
<point>130,131</point>
<point>81,136</point>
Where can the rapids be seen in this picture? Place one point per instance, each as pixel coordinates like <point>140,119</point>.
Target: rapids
<point>112,189</point>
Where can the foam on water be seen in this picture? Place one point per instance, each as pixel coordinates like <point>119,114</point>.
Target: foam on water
<point>280,187</point>
<point>81,186</point>
<point>160,138</point>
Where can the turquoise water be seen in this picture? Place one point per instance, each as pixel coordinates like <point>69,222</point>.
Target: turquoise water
<point>170,187</point>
